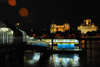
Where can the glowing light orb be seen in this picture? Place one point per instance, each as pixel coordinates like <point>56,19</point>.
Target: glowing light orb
<point>23,12</point>
<point>12,2</point>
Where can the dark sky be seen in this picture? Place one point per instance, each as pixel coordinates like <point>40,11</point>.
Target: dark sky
<point>43,13</point>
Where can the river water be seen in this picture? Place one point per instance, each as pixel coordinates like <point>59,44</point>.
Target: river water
<point>92,59</point>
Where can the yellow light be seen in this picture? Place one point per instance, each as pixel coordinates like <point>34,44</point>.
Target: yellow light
<point>17,23</point>
<point>27,36</point>
<point>44,29</point>
<point>31,30</point>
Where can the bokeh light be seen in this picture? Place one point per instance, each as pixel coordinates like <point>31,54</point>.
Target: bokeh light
<point>23,12</point>
<point>12,2</point>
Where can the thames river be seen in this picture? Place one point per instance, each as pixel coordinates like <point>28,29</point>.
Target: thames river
<point>92,59</point>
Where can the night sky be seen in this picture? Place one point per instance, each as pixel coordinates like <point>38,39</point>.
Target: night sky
<point>42,13</point>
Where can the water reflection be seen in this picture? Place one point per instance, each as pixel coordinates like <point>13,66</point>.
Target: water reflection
<point>32,59</point>
<point>55,60</point>
<point>65,60</point>
<point>35,59</point>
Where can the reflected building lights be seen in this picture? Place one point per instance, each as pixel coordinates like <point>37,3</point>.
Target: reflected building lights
<point>58,60</point>
<point>65,60</point>
<point>35,58</point>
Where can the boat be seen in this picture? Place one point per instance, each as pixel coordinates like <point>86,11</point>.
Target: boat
<point>68,48</point>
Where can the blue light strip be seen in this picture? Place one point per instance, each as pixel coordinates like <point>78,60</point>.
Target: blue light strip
<point>66,46</point>
<point>44,45</point>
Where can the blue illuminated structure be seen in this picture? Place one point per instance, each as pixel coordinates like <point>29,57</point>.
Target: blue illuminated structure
<point>33,44</point>
<point>59,46</point>
<point>71,46</point>
<point>44,45</point>
<point>65,46</point>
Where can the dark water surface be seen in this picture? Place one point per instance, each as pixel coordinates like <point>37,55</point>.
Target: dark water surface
<point>32,59</point>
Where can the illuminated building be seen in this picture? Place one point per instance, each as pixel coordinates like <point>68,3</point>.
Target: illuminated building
<point>54,28</point>
<point>87,26</point>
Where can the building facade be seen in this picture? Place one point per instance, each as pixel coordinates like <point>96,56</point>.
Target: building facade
<point>54,28</point>
<point>87,26</point>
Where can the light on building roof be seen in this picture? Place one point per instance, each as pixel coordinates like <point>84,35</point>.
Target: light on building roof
<point>17,23</point>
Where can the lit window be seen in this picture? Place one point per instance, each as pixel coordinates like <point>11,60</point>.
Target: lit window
<point>67,25</point>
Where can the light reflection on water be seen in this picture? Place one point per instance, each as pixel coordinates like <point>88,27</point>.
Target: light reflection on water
<point>35,58</point>
<point>65,60</point>
<point>55,60</point>
<point>32,59</point>
<point>62,60</point>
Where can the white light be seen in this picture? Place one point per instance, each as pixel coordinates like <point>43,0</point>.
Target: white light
<point>67,40</point>
<point>38,40</point>
<point>32,41</point>
<point>3,29</point>
<point>6,29</point>
<point>12,32</point>
<point>31,38</point>
<point>76,58</point>
<point>65,60</point>
<point>27,36</point>
<point>63,40</point>
<point>50,43</point>
<point>56,58</point>
<point>36,56</point>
